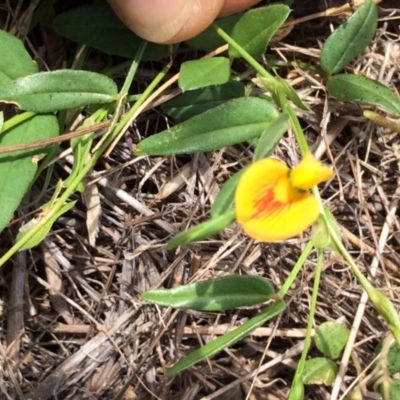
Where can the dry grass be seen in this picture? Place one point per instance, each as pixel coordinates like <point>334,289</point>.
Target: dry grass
<point>73,323</point>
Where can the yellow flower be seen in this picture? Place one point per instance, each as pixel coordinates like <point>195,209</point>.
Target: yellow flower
<point>272,202</point>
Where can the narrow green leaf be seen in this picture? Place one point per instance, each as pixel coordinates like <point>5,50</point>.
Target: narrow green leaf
<point>59,90</point>
<point>350,39</point>
<point>42,233</point>
<point>97,26</point>
<point>319,371</point>
<point>18,169</point>
<point>225,198</point>
<point>233,122</point>
<point>203,230</point>
<point>201,73</point>
<point>218,294</point>
<point>15,61</point>
<point>330,339</point>
<point>256,28</point>
<point>221,343</point>
<point>292,95</point>
<point>271,137</point>
<point>194,102</point>
<point>358,88</point>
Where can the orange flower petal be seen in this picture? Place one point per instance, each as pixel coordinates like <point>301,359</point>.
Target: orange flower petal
<point>267,205</point>
<point>309,173</point>
<point>287,221</point>
<point>259,178</point>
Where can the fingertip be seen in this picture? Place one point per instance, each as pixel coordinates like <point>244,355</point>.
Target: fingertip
<point>167,21</point>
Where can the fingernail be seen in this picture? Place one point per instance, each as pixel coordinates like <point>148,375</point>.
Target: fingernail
<point>154,20</point>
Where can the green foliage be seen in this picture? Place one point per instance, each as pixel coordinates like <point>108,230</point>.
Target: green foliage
<point>216,113</point>
<point>233,122</point>
<point>270,138</point>
<point>41,233</point>
<point>350,39</point>
<point>219,294</point>
<point>330,339</point>
<point>204,230</point>
<point>18,169</point>
<point>256,28</point>
<point>97,26</point>
<point>364,90</point>
<point>201,73</point>
<point>209,39</point>
<point>224,200</point>
<point>194,102</point>
<point>319,371</point>
<point>15,61</point>
<point>219,344</point>
<point>58,90</point>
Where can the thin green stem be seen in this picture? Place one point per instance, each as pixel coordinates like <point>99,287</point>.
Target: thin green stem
<point>310,323</point>
<point>256,65</point>
<point>273,83</point>
<point>295,271</point>
<point>17,119</point>
<point>381,303</point>
<point>155,82</point>
<point>297,129</point>
<point>59,203</point>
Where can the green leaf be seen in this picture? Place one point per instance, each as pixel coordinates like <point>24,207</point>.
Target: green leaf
<point>209,40</point>
<point>201,73</point>
<point>233,122</point>
<point>225,198</point>
<point>394,389</point>
<point>221,343</point>
<point>256,28</point>
<point>271,137</point>
<point>275,85</point>
<point>350,39</point>
<point>44,230</point>
<point>392,357</point>
<point>18,169</point>
<point>218,294</point>
<point>15,61</point>
<point>330,339</point>
<point>194,102</point>
<point>203,230</point>
<point>364,90</point>
<point>319,371</point>
<point>59,90</point>
<point>97,26</point>
<point>292,95</point>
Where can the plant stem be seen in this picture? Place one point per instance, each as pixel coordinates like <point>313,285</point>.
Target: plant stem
<point>17,119</point>
<point>59,203</point>
<point>256,65</point>
<point>313,306</point>
<point>295,271</point>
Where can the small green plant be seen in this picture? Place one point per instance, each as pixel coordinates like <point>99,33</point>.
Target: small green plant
<point>215,111</point>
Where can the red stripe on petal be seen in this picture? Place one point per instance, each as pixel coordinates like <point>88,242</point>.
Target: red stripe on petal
<point>266,205</point>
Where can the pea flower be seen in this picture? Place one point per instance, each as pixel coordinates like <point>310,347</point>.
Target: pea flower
<point>273,202</point>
